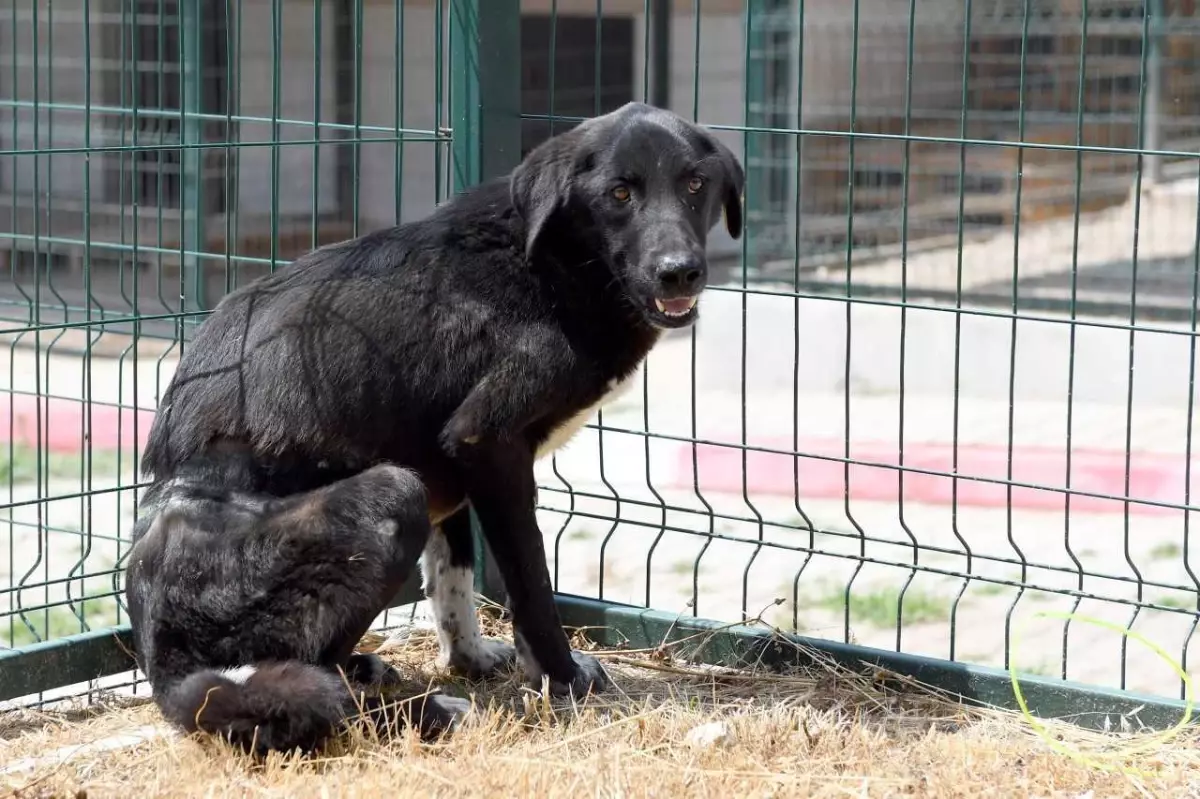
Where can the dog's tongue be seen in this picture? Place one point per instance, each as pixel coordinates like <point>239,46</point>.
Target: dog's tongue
<point>677,306</point>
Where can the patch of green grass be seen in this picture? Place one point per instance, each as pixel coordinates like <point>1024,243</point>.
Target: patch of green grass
<point>685,567</point>
<point>22,466</point>
<point>580,534</point>
<point>1167,550</point>
<point>1002,589</point>
<point>797,525</point>
<point>98,608</point>
<point>879,607</point>
<point>986,588</point>
<point>781,619</point>
<point>1172,601</point>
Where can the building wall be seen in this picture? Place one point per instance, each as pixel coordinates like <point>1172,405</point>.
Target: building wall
<point>851,67</point>
<point>382,66</point>
<point>61,79</point>
<point>719,55</point>
<point>721,99</point>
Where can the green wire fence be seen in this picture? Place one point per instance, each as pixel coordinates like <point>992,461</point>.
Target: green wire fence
<point>945,381</point>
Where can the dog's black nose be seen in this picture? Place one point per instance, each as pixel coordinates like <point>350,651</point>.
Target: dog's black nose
<point>681,274</point>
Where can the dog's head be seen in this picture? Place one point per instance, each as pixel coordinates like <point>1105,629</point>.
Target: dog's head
<point>644,187</point>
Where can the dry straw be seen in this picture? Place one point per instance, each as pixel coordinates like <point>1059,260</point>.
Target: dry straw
<point>1107,757</point>
<point>824,731</point>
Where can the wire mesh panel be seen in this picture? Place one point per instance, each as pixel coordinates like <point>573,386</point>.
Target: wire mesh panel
<point>155,154</point>
<point>945,380</point>
<point>924,400</point>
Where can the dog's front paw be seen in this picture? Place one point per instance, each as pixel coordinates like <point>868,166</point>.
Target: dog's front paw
<point>590,677</point>
<point>487,657</point>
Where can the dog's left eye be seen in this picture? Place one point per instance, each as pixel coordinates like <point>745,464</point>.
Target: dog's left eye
<point>695,185</point>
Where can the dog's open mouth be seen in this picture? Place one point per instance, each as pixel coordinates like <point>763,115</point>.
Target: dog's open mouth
<point>674,312</point>
<point>676,308</point>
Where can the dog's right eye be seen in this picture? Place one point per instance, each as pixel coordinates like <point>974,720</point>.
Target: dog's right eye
<point>621,194</point>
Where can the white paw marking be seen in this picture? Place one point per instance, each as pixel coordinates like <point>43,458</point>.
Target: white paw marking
<point>239,675</point>
<point>453,601</point>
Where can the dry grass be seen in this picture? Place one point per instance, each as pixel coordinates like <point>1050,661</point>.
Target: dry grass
<point>821,733</point>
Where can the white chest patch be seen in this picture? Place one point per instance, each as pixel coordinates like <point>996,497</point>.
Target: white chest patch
<point>567,430</point>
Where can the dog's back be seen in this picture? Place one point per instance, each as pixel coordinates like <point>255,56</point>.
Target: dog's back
<point>364,349</point>
<point>384,333</point>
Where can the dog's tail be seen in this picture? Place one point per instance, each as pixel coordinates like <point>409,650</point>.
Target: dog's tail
<point>275,706</point>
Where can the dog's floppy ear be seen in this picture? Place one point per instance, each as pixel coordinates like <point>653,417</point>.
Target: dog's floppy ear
<point>731,192</point>
<point>541,184</point>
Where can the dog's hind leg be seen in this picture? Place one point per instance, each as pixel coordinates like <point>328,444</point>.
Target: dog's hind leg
<point>247,607</point>
<point>448,566</point>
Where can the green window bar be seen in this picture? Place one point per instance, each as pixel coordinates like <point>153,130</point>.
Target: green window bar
<point>945,381</point>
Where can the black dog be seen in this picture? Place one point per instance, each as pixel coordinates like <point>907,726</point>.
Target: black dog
<point>461,347</point>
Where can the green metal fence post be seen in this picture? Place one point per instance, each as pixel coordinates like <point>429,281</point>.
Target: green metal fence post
<point>660,54</point>
<point>344,108</point>
<point>485,88</point>
<point>192,208</point>
<point>485,108</point>
<point>1153,88</point>
<point>769,63</point>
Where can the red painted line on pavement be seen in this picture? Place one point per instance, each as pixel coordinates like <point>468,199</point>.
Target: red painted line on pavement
<point>63,426</point>
<point>1156,477</point>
